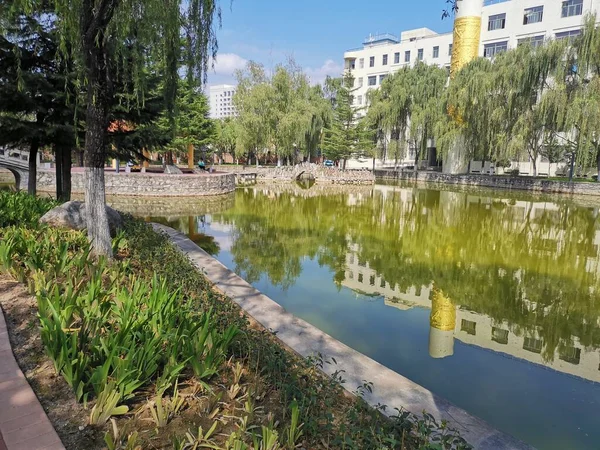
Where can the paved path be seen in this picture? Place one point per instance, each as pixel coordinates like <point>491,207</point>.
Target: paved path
<point>389,387</point>
<point>23,422</point>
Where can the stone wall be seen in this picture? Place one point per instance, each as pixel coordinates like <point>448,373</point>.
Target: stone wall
<point>149,185</point>
<point>6,177</point>
<point>321,174</point>
<point>498,182</point>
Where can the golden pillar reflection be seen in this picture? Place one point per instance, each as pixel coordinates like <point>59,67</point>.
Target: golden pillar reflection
<point>465,46</point>
<point>190,156</point>
<point>443,322</point>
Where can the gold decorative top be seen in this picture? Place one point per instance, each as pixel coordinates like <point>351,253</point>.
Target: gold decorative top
<point>443,312</point>
<point>465,46</point>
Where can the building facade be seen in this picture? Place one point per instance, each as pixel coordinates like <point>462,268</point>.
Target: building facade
<point>504,25</point>
<point>221,101</point>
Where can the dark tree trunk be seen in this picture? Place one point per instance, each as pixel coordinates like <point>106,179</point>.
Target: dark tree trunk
<point>95,18</point>
<point>80,158</point>
<point>33,152</point>
<point>58,170</point>
<point>65,174</point>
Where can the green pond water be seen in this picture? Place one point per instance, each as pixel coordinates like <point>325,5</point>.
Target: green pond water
<point>520,271</point>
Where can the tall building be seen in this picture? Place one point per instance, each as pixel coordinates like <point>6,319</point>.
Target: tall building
<point>504,24</point>
<point>221,101</point>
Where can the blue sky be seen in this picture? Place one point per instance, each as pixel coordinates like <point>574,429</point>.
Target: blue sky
<point>314,32</point>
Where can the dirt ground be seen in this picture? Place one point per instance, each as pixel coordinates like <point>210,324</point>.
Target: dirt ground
<point>68,417</point>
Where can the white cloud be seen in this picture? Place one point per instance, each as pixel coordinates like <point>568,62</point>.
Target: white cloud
<point>227,63</point>
<point>329,67</point>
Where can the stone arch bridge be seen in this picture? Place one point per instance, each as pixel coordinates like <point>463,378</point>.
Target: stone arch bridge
<point>17,162</point>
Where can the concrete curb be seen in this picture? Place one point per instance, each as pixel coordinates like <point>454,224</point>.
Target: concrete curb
<point>389,387</point>
<point>23,422</point>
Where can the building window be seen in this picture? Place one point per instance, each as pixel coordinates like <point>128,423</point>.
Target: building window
<point>468,326</point>
<point>397,58</point>
<point>361,63</point>
<point>491,50</point>
<point>436,52</point>
<point>497,22</point>
<point>570,35</point>
<point>571,355</point>
<point>572,8</point>
<point>533,15</point>
<point>384,62</point>
<point>351,275</point>
<point>532,345</point>
<point>381,78</point>
<point>360,277</point>
<point>360,82</point>
<point>372,81</point>
<point>372,280</point>
<point>382,283</point>
<point>420,54</point>
<point>359,100</point>
<point>372,61</point>
<point>407,56</point>
<point>499,335</point>
<point>450,50</point>
<point>534,41</point>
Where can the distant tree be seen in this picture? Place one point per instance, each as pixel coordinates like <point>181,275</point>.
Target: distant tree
<point>346,134</point>
<point>191,124</point>
<point>225,137</point>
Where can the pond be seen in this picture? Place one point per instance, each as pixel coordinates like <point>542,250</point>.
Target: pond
<point>489,299</point>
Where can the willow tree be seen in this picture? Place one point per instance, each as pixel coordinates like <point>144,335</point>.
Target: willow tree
<point>426,90</point>
<point>100,34</point>
<point>390,109</point>
<point>253,101</point>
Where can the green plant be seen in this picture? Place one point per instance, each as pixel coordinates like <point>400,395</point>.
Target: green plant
<point>106,406</point>
<point>294,432</point>
<point>163,410</point>
<point>115,441</point>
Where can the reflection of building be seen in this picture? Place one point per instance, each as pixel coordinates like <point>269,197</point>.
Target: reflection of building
<point>476,329</point>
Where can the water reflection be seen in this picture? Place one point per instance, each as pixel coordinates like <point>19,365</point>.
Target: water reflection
<point>425,280</point>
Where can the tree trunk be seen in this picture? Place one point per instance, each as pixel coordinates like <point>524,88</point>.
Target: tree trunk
<point>80,158</point>
<point>66,174</point>
<point>58,171</point>
<point>373,164</point>
<point>33,152</point>
<point>95,198</point>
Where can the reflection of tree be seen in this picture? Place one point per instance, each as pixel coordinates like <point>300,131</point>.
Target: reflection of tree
<point>511,260</point>
<point>189,226</point>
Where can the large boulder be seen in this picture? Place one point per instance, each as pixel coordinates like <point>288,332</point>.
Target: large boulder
<point>173,170</point>
<point>72,215</point>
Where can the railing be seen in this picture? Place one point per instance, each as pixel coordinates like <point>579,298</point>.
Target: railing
<point>17,157</point>
<point>380,37</point>
<point>493,2</point>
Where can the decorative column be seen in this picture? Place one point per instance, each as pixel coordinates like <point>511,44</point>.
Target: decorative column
<point>190,156</point>
<point>465,48</point>
<point>442,323</point>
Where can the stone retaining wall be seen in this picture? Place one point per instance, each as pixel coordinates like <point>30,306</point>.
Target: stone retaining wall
<point>321,174</point>
<point>498,182</point>
<point>149,185</point>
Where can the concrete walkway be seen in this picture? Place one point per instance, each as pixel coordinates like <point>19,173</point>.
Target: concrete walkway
<point>23,422</point>
<point>389,387</point>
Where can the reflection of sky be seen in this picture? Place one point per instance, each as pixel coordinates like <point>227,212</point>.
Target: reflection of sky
<point>543,407</point>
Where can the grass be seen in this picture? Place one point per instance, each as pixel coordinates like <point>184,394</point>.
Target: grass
<point>163,361</point>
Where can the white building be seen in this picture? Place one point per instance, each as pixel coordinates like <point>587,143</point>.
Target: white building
<point>221,101</point>
<point>504,24</point>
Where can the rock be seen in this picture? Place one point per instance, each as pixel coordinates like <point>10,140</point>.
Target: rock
<point>173,170</point>
<point>72,215</point>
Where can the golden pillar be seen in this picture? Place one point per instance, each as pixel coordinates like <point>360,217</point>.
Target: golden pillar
<point>465,48</point>
<point>442,323</point>
<point>190,156</point>
<point>146,154</point>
